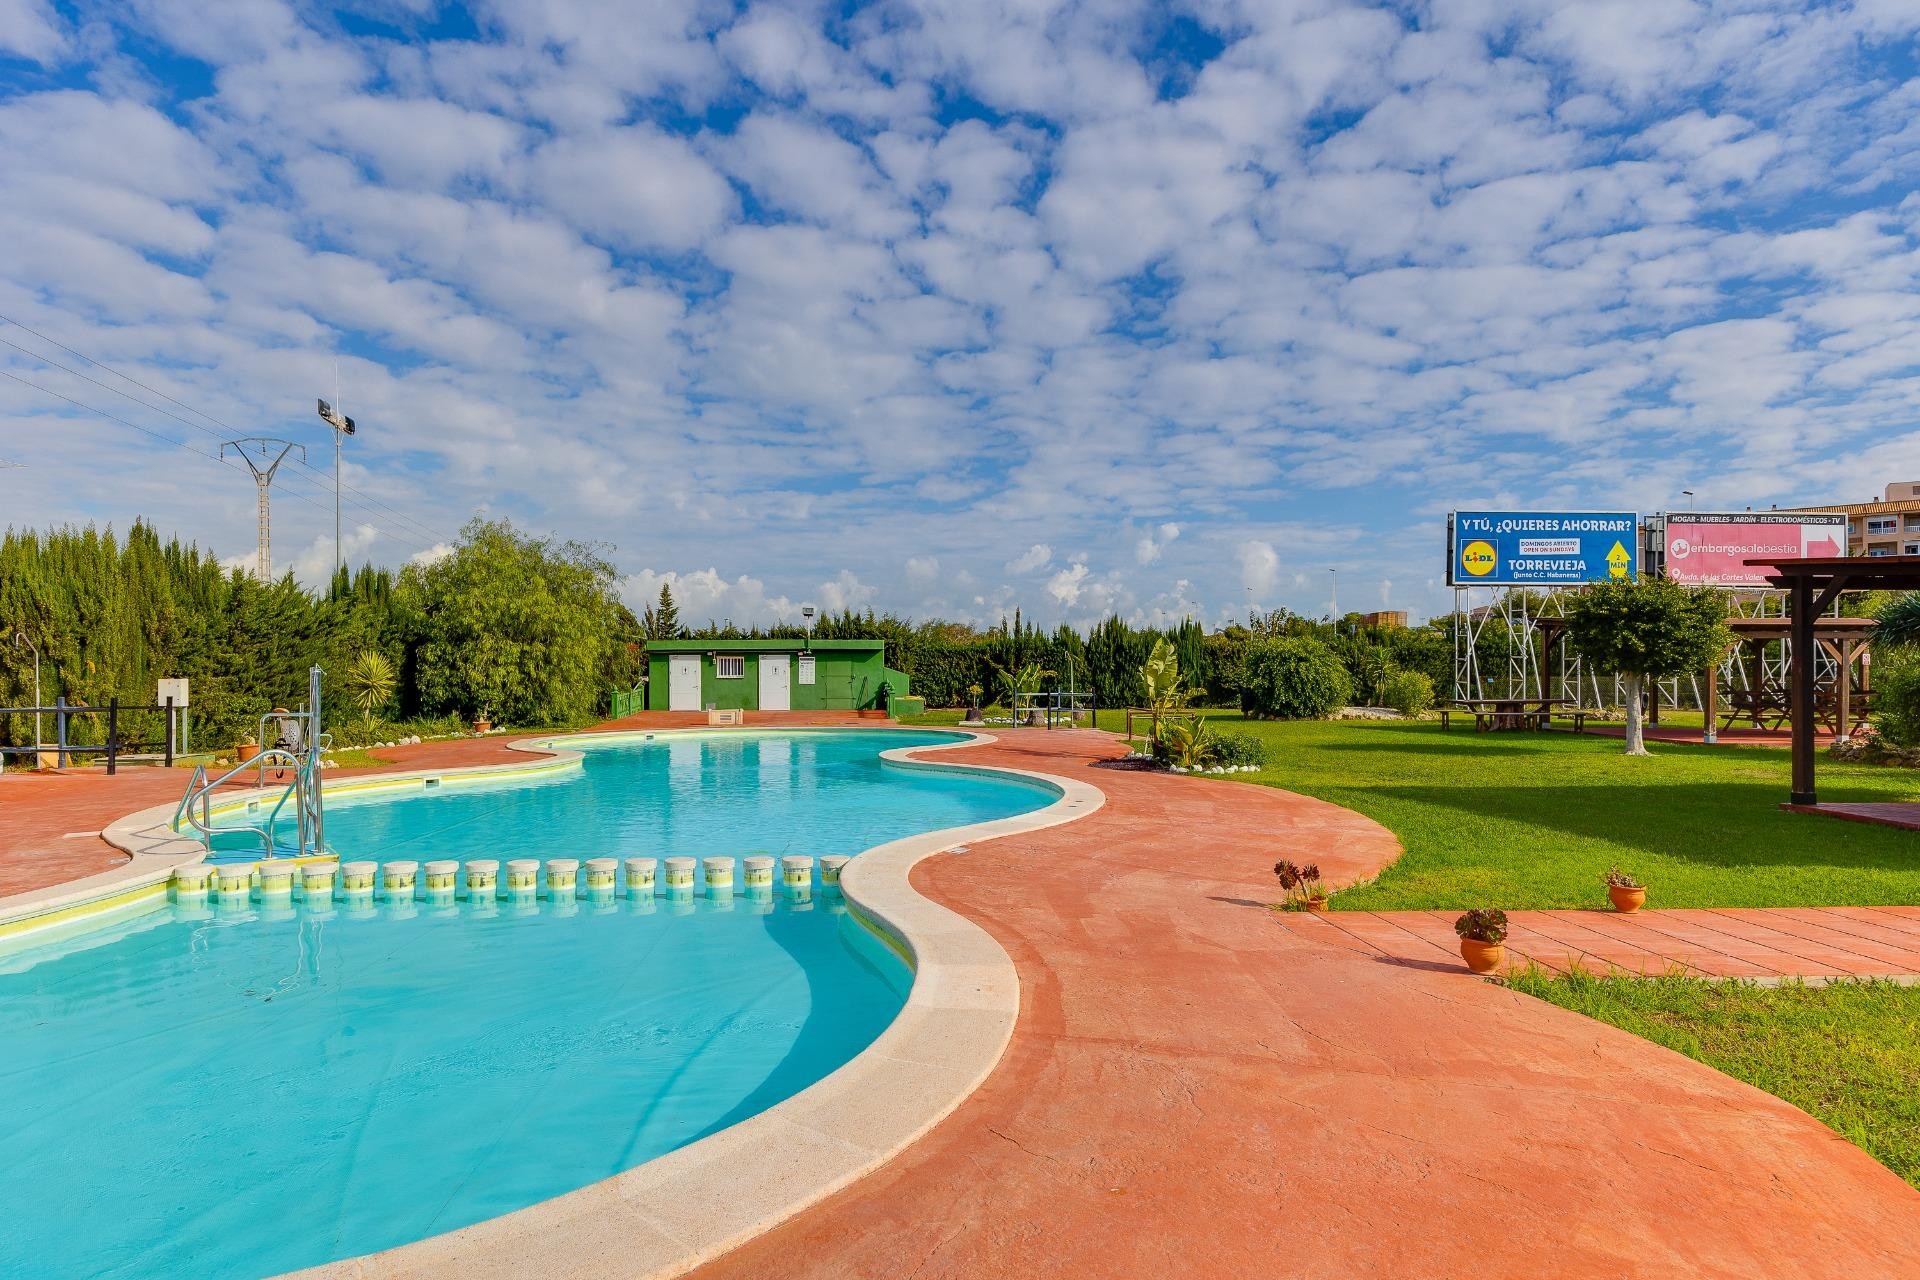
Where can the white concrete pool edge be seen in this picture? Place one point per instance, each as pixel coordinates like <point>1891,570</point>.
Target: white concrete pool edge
<point>669,1215</point>
<point>155,849</point>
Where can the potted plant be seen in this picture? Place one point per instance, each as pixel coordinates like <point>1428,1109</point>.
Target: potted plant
<point>246,749</point>
<point>483,723</point>
<point>1483,935</point>
<point>973,702</point>
<point>1302,885</point>
<point>1628,894</point>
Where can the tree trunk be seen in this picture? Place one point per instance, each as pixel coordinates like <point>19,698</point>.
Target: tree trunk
<point>1636,745</point>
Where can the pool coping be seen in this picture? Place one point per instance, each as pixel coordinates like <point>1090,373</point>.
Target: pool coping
<point>155,849</point>
<point>668,1215</point>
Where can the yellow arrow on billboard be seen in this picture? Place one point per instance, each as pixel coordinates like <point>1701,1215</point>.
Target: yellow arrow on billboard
<point>1617,561</point>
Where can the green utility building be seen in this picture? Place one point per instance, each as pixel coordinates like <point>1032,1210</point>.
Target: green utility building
<point>768,675</point>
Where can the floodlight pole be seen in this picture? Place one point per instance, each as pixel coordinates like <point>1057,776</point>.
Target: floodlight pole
<point>1335,603</point>
<point>806,611</point>
<point>343,427</point>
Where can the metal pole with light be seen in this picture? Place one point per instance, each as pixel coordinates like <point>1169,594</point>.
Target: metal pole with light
<point>806,611</point>
<point>1334,604</point>
<point>20,641</point>
<point>342,428</point>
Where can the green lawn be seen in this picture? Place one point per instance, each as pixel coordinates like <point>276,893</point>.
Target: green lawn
<point>1843,1052</point>
<point>1532,819</point>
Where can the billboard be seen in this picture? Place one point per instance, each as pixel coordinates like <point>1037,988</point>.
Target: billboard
<point>1541,548</point>
<point>1708,549</point>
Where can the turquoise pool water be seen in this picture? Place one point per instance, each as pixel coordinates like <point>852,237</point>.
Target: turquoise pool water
<point>238,1090</point>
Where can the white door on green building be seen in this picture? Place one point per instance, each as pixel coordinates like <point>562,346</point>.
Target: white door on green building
<point>683,682</point>
<point>776,682</point>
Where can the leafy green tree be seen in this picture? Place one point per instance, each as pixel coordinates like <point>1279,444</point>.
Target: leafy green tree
<point>1647,629</point>
<point>511,624</point>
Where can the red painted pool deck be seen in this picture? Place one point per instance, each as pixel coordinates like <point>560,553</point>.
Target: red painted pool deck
<point>1764,944</point>
<point>1196,1089</point>
<point>1199,1086</point>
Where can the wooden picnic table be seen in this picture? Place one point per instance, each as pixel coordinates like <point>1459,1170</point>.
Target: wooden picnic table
<point>1492,714</point>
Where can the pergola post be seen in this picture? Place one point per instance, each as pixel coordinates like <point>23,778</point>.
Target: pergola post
<point>1800,692</point>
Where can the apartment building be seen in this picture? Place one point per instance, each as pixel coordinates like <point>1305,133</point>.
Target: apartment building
<point>1889,526</point>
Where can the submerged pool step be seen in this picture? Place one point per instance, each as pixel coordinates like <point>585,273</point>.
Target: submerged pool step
<point>441,879</point>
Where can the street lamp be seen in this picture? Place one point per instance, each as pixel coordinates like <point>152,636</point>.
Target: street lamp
<point>20,641</point>
<point>806,611</point>
<point>342,428</point>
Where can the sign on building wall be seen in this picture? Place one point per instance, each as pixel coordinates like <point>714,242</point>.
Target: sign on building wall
<point>1709,549</point>
<point>1541,548</point>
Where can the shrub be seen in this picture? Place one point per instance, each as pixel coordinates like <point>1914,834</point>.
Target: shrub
<point>1896,696</point>
<point>1408,692</point>
<point>1235,749</point>
<point>1301,884</point>
<point>1186,742</point>
<point>1482,925</point>
<point>1294,678</point>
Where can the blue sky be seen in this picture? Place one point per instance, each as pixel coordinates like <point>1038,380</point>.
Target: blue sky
<point>948,307</point>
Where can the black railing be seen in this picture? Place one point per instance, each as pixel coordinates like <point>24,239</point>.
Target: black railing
<point>63,713</point>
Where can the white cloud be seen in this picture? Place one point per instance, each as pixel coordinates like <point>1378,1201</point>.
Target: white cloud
<point>733,285</point>
<point>1259,568</point>
<point>1033,558</point>
<point>704,595</point>
<point>31,29</point>
<point>1147,548</point>
<point>1065,587</point>
<point>314,565</point>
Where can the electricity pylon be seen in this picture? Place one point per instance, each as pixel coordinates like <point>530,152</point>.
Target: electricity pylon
<point>262,477</point>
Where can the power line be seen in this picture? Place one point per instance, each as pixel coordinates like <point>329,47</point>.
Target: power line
<point>367,501</point>
<point>408,539</point>
<point>405,540</point>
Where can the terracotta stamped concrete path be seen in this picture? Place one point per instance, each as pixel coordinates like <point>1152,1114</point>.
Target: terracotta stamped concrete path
<point>1767,945</point>
<point>1196,1090</point>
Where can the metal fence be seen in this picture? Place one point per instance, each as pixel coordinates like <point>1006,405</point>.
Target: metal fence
<point>112,747</point>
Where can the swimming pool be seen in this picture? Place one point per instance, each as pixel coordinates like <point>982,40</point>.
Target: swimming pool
<point>238,1090</point>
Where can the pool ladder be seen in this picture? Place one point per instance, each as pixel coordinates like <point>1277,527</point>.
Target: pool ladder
<point>300,747</point>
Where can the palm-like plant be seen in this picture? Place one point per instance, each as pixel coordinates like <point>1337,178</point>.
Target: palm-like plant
<point>1187,743</point>
<point>1161,674</point>
<point>1898,624</point>
<point>370,681</point>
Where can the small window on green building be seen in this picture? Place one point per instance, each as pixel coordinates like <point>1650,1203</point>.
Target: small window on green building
<point>730,667</point>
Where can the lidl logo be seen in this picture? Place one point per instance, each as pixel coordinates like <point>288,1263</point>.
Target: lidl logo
<point>1478,558</point>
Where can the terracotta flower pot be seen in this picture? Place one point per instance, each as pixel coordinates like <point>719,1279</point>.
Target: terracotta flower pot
<point>246,751</point>
<point>1482,957</point>
<point>483,726</point>
<point>1317,904</point>
<point>1626,901</point>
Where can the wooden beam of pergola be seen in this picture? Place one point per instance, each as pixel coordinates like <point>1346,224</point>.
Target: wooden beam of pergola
<point>1812,584</point>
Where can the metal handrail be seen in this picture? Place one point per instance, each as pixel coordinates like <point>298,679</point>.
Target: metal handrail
<point>200,790</point>
<point>305,787</point>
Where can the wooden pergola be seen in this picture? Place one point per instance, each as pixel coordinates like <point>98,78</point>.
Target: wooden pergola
<point>1845,640</point>
<point>1812,586</point>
